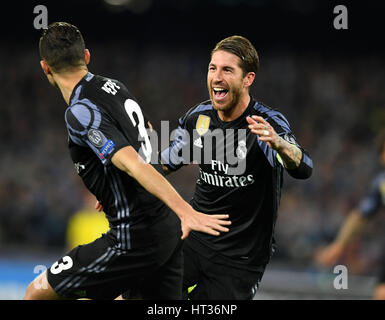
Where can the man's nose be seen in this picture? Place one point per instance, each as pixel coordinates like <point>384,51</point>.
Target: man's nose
<point>218,77</point>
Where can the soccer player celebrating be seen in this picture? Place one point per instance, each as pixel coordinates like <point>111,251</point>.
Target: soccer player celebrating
<point>357,219</point>
<point>110,149</point>
<point>231,266</point>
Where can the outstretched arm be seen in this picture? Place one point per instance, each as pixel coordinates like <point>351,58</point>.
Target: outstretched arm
<point>330,254</point>
<point>129,161</point>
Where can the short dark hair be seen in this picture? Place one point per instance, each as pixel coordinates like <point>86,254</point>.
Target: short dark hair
<point>241,47</point>
<point>62,46</point>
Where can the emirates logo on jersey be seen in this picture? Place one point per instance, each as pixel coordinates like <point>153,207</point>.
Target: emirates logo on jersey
<point>220,176</point>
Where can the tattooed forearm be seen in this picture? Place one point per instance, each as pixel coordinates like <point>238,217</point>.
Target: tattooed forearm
<point>290,154</point>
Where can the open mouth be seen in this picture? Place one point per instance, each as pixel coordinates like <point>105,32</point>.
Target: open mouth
<point>220,93</point>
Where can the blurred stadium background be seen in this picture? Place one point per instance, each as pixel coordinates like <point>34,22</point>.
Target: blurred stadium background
<point>329,83</point>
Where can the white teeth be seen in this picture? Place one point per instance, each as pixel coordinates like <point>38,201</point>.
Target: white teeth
<point>219,89</point>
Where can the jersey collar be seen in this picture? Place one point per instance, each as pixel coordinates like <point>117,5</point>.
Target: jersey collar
<point>241,118</point>
<point>76,90</point>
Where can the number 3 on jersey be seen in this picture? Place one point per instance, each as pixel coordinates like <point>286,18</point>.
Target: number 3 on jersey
<point>58,267</point>
<point>132,107</point>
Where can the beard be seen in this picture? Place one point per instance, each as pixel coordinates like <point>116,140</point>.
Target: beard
<point>234,94</point>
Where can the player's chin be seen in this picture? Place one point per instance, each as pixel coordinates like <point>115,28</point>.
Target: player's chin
<point>220,106</point>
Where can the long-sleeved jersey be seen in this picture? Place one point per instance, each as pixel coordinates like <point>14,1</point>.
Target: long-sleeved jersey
<point>102,118</point>
<point>239,175</point>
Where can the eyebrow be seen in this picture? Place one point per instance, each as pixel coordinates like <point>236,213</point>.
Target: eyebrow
<point>224,67</point>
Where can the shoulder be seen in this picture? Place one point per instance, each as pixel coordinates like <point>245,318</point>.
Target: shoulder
<point>273,116</point>
<point>194,112</point>
<point>94,98</point>
<point>101,90</point>
<point>78,116</point>
<point>108,88</point>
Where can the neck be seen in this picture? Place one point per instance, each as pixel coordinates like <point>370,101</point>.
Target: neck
<point>235,112</point>
<point>67,81</point>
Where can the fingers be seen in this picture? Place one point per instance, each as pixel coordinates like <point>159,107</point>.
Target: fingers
<point>210,230</point>
<point>215,225</point>
<point>210,224</point>
<point>205,229</point>
<point>220,218</point>
<point>219,228</point>
<point>256,119</point>
<point>218,222</point>
<point>263,129</point>
<point>98,206</point>
<point>185,233</point>
<point>259,126</point>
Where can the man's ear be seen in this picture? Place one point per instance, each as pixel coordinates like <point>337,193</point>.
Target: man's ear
<point>44,65</point>
<point>249,79</point>
<point>87,56</point>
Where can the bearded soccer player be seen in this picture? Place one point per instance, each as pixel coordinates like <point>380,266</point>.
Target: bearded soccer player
<point>234,124</point>
<point>110,149</point>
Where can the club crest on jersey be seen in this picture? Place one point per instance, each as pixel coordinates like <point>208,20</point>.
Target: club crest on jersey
<point>202,124</point>
<point>241,150</point>
<point>96,137</point>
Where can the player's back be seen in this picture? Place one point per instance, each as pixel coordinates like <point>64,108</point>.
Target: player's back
<point>103,118</point>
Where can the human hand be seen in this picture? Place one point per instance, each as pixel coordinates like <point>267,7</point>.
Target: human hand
<point>210,224</point>
<point>265,131</point>
<point>98,206</point>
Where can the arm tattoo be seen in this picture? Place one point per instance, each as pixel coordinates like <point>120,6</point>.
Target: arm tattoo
<point>290,154</point>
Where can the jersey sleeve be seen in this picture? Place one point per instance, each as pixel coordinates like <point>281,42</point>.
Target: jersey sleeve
<point>89,127</point>
<point>177,154</point>
<point>282,127</point>
<point>371,202</point>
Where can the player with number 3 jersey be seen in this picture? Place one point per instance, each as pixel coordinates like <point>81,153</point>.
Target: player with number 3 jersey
<point>111,151</point>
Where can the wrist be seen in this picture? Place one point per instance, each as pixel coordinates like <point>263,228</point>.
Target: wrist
<point>182,208</point>
<point>279,145</point>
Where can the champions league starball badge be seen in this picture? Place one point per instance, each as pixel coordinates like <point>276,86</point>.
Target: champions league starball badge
<point>96,137</point>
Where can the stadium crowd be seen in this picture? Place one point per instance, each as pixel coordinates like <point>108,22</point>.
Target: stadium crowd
<point>335,105</point>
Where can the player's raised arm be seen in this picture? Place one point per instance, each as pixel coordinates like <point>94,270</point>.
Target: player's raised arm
<point>296,162</point>
<point>129,161</point>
